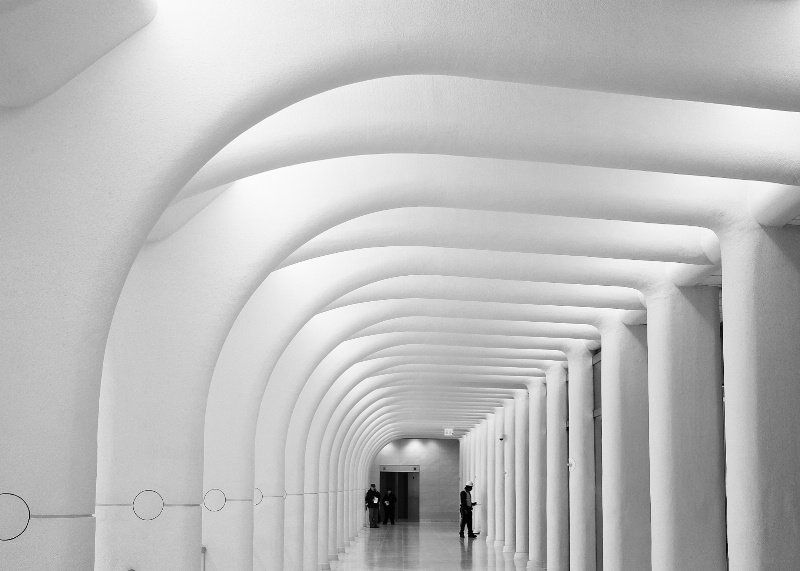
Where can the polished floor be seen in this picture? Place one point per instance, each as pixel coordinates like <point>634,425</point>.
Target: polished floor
<point>424,547</point>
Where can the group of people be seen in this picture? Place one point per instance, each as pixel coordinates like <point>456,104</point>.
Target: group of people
<point>373,504</point>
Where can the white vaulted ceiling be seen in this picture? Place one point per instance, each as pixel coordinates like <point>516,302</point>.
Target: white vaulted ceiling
<point>385,215</point>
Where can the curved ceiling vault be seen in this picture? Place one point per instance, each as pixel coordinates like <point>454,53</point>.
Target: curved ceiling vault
<point>381,245</point>
<point>323,226</point>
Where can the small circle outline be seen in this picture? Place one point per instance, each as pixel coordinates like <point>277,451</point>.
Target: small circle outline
<point>261,499</point>
<point>27,523</point>
<point>224,499</point>
<point>133,505</point>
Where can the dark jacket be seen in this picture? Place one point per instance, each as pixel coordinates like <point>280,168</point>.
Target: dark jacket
<point>369,499</point>
<point>391,498</point>
<point>466,501</point>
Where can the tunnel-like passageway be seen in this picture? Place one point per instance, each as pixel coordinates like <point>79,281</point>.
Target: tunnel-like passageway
<point>258,254</point>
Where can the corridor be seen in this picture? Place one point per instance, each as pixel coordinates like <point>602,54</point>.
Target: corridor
<point>259,255</point>
<point>423,546</point>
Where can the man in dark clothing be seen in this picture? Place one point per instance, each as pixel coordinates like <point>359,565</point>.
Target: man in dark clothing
<point>372,501</point>
<point>466,510</point>
<point>389,500</point>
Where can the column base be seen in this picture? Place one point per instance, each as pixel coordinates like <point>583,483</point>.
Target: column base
<point>499,543</point>
<point>508,548</point>
<point>340,549</point>
<point>324,567</point>
<point>535,566</point>
<point>521,556</point>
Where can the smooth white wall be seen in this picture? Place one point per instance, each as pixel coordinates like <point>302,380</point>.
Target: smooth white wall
<point>439,467</point>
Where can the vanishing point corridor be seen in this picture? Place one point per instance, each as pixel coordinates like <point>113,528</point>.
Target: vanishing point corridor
<point>541,257</point>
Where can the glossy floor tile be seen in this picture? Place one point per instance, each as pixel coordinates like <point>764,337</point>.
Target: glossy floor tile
<point>423,546</point>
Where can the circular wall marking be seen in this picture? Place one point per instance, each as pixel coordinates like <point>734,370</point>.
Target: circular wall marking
<point>148,504</point>
<point>258,496</point>
<point>14,516</point>
<point>214,500</point>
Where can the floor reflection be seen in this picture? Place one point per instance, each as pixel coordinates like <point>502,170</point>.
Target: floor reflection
<point>423,546</point>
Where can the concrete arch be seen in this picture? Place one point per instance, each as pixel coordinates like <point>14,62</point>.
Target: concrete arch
<point>156,309</point>
<point>473,117</point>
<point>275,432</point>
<point>88,170</point>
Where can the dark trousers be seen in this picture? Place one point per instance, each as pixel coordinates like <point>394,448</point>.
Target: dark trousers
<point>466,519</point>
<point>388,514</point>
<point>374,516</point>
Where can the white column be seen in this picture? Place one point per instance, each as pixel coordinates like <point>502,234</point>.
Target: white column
<point>461,461</point>
<point>322,531</point>
<point>266,520</point>
<point>626,458</point>
<point>310,530</point>
<point>761,308</point>
<point>521,474</point>
<point>491,445</point>
<point>473,437</point>
<point>537,475</point>
<point>557,471</point>
<point>341,531</point>
<point>480,524</point>
<point>293,530</point>
<point>582,532</point>
<point>509,471</point>
<point>333,523</point>
<point>228,533</point>
<point>468,459</point>
<point>499,478</point>
<point>687,484</point>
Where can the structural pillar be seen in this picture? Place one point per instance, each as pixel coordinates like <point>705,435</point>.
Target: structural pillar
<point>491,441</point>
<point>626,458</point>
<point>582,528</point>
<point>293,530</point>
<point>557,471</point>
<point>499,478</point>
<point>761,308</point>
<point>509,472</point>
<point>537,475</point>
<point>521,475</point>
<point>480,523</point>
<point>462,453</point>
<point>687,480</point>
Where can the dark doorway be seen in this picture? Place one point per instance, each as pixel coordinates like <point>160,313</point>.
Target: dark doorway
<point>404,485</point>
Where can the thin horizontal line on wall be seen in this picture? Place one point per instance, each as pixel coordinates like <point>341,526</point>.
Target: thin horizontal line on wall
<point>60,516</point>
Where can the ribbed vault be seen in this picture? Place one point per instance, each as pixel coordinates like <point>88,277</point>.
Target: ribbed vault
<point>290,233</point>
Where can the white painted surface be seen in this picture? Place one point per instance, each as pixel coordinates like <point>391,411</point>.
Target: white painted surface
<point>492,181</point>
<point>686,458</point>
<point>626,456</point>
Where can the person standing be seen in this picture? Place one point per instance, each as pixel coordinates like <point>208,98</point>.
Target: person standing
<point>372,501</point>
<point>466,510</point>
<point>389,500</point>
